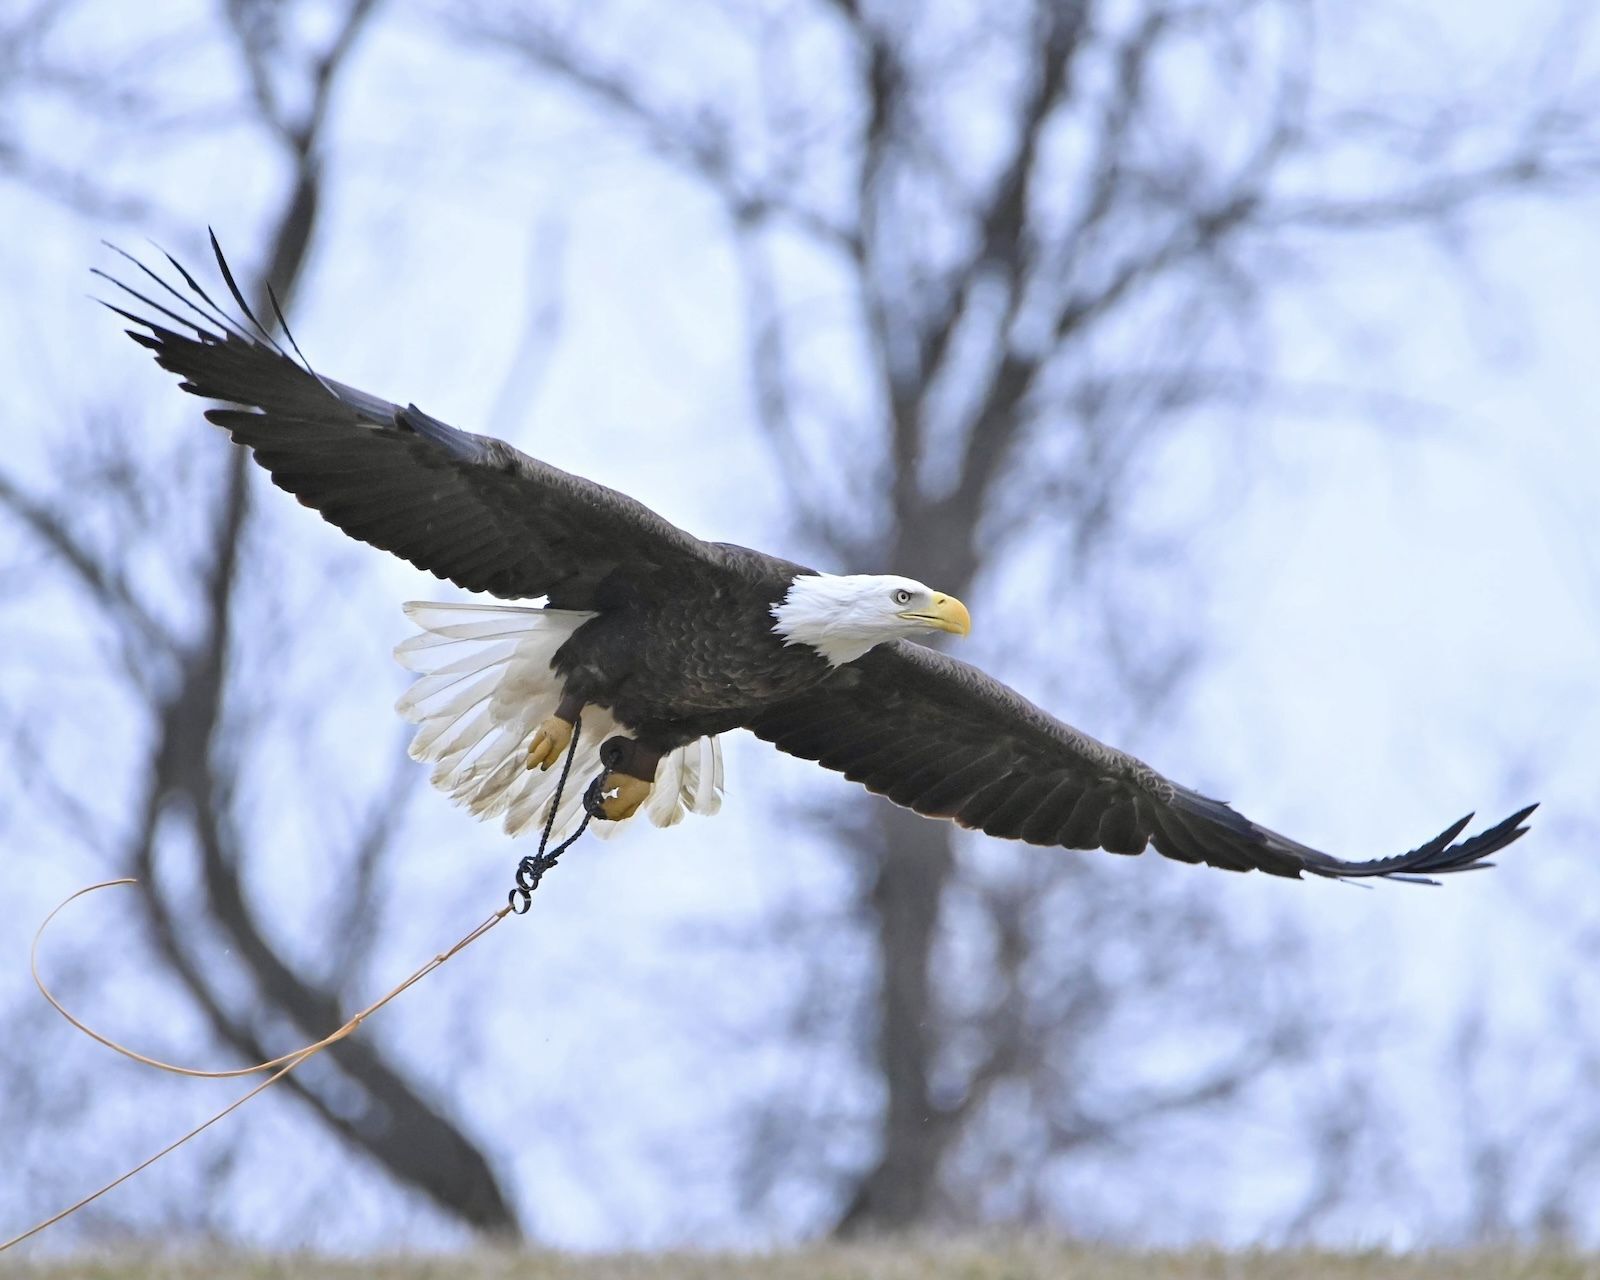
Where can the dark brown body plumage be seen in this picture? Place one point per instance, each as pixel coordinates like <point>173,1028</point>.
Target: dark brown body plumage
<point>650,657</point>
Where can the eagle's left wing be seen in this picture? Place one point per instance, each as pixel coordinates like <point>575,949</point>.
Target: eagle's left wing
<point>940,737</point>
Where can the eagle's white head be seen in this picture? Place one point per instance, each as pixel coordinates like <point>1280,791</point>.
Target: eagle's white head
<point>842,616</point>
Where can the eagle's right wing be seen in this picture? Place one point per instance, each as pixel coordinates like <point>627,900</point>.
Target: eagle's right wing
<point>465,507</point>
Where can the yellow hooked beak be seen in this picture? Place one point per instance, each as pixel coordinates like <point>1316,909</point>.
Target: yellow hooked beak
<point>945,614</point>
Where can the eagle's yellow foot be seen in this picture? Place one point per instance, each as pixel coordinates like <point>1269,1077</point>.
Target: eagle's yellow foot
<point>618,796</point>
<point>550,742</point>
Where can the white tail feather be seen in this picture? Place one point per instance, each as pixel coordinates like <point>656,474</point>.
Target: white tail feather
<point>484,684</point>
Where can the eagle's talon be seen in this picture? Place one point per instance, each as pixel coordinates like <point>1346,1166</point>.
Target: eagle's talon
<point>615,796</point>
<point>551,740</point>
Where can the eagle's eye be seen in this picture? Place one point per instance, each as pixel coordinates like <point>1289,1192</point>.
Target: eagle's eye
<point>902,596</point>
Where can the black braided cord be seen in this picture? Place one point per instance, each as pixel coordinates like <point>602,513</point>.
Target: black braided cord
<point>531,870</point>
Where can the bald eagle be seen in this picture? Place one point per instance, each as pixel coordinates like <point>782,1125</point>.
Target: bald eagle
<point>658,643</point>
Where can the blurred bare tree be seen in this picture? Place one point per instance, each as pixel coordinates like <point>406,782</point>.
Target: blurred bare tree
<point>182,638</point>
<point>994,258</point>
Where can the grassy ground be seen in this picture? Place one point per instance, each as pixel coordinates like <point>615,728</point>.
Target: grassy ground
<point>930,1260</point>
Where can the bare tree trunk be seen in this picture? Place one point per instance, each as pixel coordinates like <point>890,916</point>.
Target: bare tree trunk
<point>912,861</point>
<point>412,1141</point>
<point>405,1134</point>
<point>907,863</point>
<point>193,776</point>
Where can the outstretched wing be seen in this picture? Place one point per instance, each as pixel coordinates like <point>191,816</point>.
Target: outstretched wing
<point>942,738</point>
<point>465,507</point>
